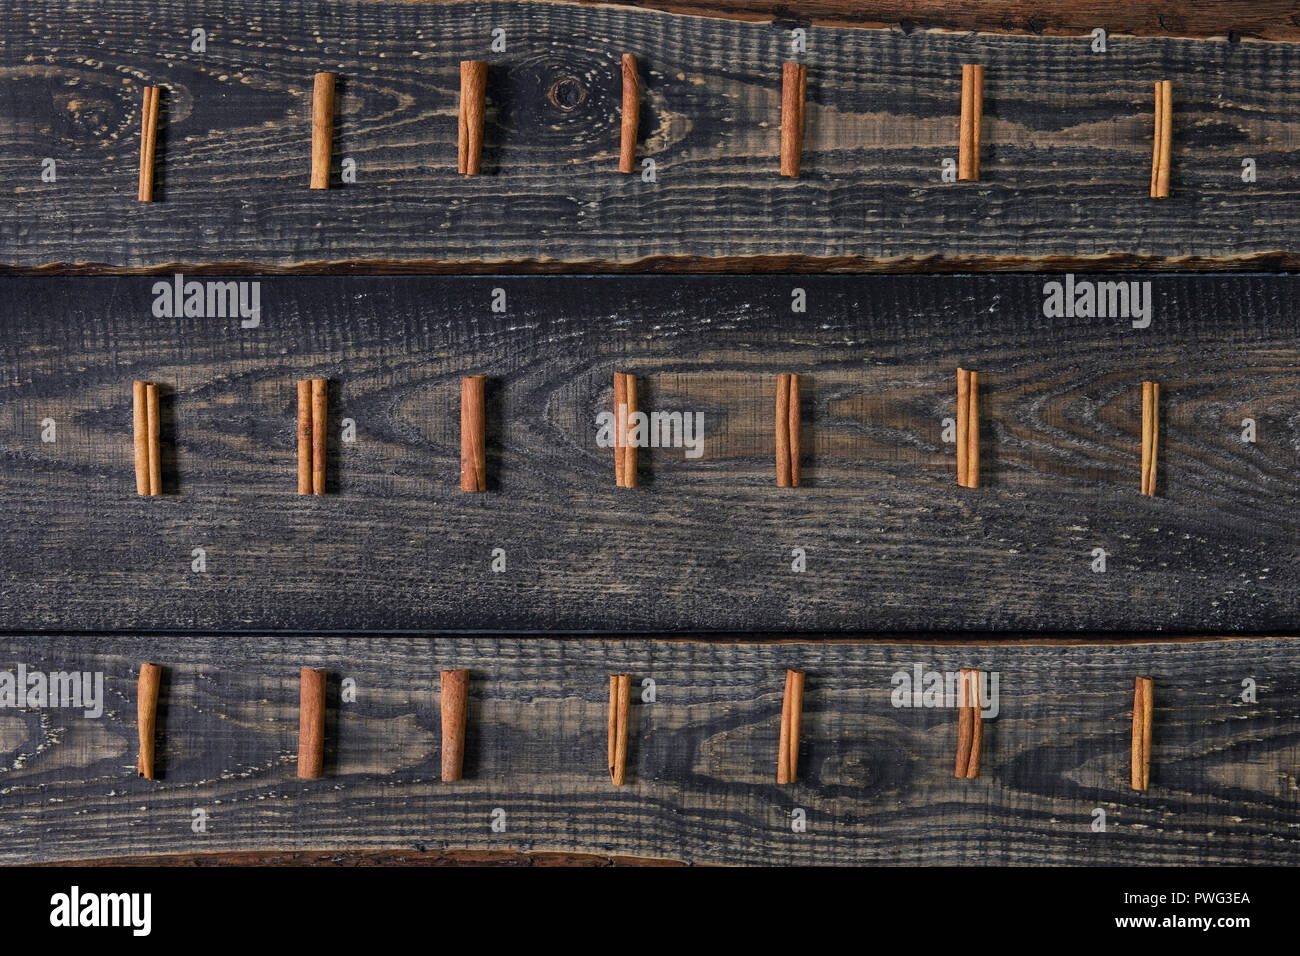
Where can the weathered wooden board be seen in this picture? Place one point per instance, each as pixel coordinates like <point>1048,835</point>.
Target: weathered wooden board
<point>1222,19</point>
<point>875,781</point>
<point>1065,167</point>
<point>892,544</point>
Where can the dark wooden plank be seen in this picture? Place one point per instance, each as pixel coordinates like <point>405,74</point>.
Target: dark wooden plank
<point>875,780</point>
<point>400,856</point>
<point>1065,167</point>
<point>1230,21</point>
<point>695,265</point>
<point>703,545</point>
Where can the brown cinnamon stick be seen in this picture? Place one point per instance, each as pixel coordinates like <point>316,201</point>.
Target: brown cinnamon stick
<point>788,448</point>
<point>970,725</point>
<point>1166,138</point>
<point>473,435</point>
<point>787,760</point>
<point>313,413</point>
<point>473,97</point>
<point>620,699</point>
<point>977,726</point>
<point>455,702</point>
<point>968,429</point>
<point>146,709</point>
<point>620,433</point>
<point>1150,435</point>
<point>794,89</point>
<point>319,413</point>
<point>631,115</point>
<point>148,142</point>
<point>322,129</point>
<point>311,723</point>
<point>972,116</point>
<point>154,419</point>
<point>146,422</point>
<point>304,437</point>
<point>963,423</point>
<point>1162,153</point>
<point>140,425</point>
<point>1143,706</point>
<point>624,449</point>
<point>1157,138</point>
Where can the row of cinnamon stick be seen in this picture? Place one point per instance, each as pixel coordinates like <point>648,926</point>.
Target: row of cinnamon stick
<point>311,723</point>
<point>787,421</point>
<point>970,728</point>
<point>794,86</point>
<point>313,405</point>
<point>470,124</point>
<point>312,410</point>
<point>455,708</point>
<point>968,423</point>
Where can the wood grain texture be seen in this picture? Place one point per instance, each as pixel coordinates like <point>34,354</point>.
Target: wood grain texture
<point>702,544</point>
<point>1066,142</point>
<point>875,780</point>
<point>1225,19</point>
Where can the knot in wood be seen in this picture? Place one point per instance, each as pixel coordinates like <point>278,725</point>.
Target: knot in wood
<point>567,93</point>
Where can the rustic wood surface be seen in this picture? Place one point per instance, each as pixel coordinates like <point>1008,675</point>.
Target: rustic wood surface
<point>378,582</point>
<point>1224,19</point>
<point>1065,164</point>
<point>875,781</point>
<point>891,543</point>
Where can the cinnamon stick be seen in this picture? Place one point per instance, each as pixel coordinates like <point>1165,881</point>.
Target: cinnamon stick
<point>146,423</point>
<point>455,701</point>
<point>148,142</point>
<point>620,434</point>
<point>1157,139</point>
<point>1166,137</point>
<point>624,449</point>
<point>1150,435</point>
<point>319,413</point>
<point>970,725</point>
<point>973,433</point>
<point>473,96</point>
<point>795,429</point>
<point>794,88</point>
<point>787,760</point>
<point>140,424</point>
<point>977,726</point>
<point>154,419</point>
<point>311,723</point>
<point>146,709</point>
<point>1162,153</point>
<point>972,116</point>
<point>631,115</point>
<point>313,414</point>
<point>620,699</point>
<point>788,450</point>
<point>629,446</point>
<point>968,429</point>
<point>322,129</point>
<point>473,440</point>
<point>1143,706</point>
<point>304,437</point>
<point>963,423</point>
